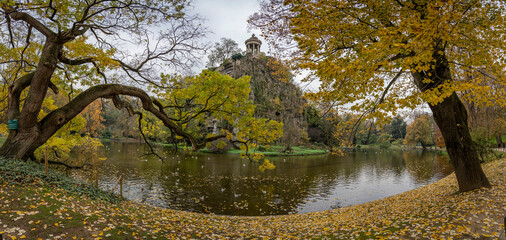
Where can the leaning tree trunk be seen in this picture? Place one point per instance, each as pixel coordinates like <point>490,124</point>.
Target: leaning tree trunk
<point>32,133</point>
<point>20,146</point>
<point>451,117</point>
<point>22,142</point>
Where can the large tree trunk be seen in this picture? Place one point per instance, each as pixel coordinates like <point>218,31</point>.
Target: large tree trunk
<point>23,142</point>
<point>20,145</point>
<point>451,117</point>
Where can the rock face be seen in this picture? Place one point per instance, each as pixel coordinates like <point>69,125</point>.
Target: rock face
<point>275,96</point>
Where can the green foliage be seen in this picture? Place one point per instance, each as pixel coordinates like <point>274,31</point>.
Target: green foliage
<point>487,123</point>
<point>21,172</point>
<point>480,136</point>
<point>384,140</point>
<point>237,56</point>
<point>118,123</point>
<point>199,100</point>
<point>208,95</point>
<point>261,148</point>
<point>312,116</point>
<point>219,146</point>
<point>396,128</point>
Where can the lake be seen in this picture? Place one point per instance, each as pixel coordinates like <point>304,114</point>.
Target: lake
<point>225,184</point>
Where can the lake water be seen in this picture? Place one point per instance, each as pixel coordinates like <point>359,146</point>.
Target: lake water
<point>227,185</point>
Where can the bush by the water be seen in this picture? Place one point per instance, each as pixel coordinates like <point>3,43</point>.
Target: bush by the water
<point>261,148</point>
<point>20,172</point>
<point>219,146</point>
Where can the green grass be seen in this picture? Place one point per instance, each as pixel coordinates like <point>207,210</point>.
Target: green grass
<point>277,150</point>
<point>2,140</point>
<point>378,146</point>
<point>392,147</point>
<point>169,144</point>
<point>494,142</point>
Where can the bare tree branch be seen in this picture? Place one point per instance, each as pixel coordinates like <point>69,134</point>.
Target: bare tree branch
<point>380,100</point>
<point>33,22</point>
<point>152,150</point>
<point>57,118</point>
<point>80,61</point>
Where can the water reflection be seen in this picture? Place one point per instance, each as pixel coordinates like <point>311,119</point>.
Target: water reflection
<point>225,184</point>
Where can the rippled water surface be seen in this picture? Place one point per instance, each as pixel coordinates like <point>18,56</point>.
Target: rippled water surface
<point>226,184</point>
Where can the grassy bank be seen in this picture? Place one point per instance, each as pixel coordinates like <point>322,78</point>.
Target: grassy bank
<point>378,146</point>
<point>278,151</point>
<point>272,151</point>
<point>398,147</point>
<point>34,206</point>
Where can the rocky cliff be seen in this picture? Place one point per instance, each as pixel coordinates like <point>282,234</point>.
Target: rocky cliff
<point>273,93</point>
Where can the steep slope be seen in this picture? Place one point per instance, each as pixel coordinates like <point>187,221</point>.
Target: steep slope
<point>273,93</point>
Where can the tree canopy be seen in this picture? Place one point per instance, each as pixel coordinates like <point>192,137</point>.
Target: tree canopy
<point>397,128</point>
<point>381,56</point>
<point>368,49</point>
<point>419,131</point>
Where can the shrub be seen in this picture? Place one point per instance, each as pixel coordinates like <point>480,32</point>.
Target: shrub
<point>237,56</point>
<point>219,146</point>
<point>261,148</point>
<point>21,172</point>
<point>384,141</point>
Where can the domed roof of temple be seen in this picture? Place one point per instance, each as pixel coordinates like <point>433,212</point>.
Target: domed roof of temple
<point>253,39</point>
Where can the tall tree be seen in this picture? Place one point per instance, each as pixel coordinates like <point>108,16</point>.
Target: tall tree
<point>56,45</point>
<point>396,128</point>
<point>222,51</point>
<point>92,114</point>
<point>487,122</point>
<point>419,131</point>
<point>102,46</point>
<point>399,53</point>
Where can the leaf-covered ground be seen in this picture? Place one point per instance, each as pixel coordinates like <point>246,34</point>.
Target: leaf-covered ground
<point>38,208</point>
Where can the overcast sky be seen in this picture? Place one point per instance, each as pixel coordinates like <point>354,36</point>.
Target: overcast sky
<point>226,18</point>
